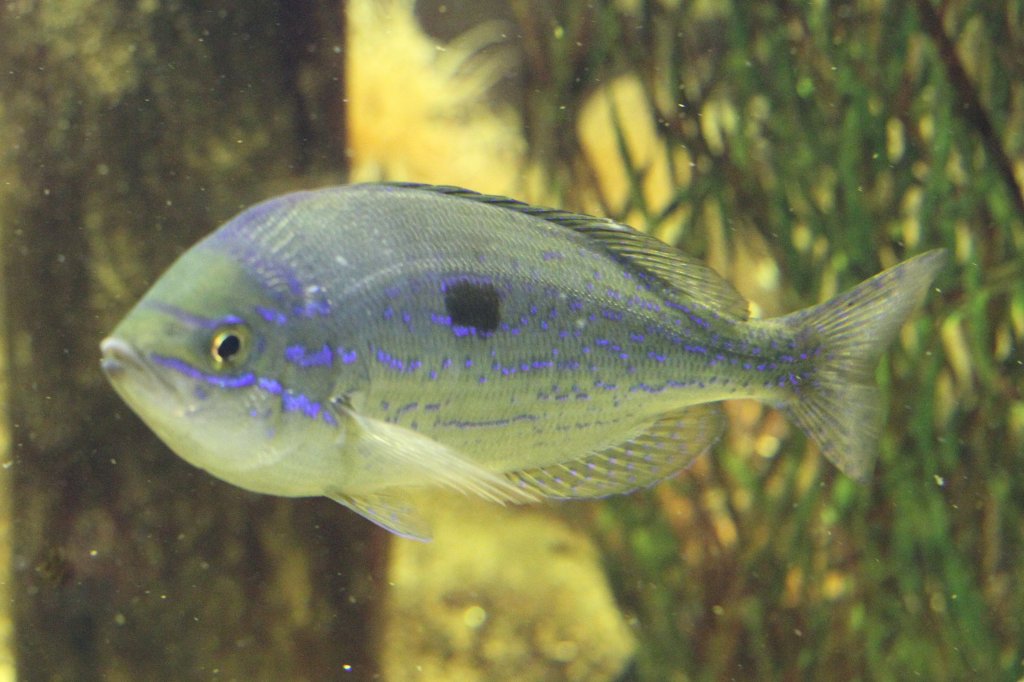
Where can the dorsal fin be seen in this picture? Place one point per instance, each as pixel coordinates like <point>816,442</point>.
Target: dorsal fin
<point>679,272</point>
<point>665,447</point>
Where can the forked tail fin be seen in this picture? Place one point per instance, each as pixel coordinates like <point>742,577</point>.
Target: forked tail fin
<point>839,406</point>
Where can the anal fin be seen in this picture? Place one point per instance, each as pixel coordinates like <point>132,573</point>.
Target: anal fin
<point>664,448</point>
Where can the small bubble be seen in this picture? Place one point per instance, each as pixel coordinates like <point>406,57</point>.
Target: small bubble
<point>474,617</point>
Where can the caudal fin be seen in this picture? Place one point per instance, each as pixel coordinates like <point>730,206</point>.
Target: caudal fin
<point>839,406</point>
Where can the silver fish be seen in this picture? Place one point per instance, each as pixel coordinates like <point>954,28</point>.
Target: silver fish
<point>356,342</point>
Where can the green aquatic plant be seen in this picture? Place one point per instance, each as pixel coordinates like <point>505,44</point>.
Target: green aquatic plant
<point>831,142</point>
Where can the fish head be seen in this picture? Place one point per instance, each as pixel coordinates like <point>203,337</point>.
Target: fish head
<point>192,359</point>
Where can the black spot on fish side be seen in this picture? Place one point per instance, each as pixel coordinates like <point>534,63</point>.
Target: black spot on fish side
<point>473,304</point>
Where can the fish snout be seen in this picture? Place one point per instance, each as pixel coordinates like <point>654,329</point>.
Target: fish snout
<point>118,357</point>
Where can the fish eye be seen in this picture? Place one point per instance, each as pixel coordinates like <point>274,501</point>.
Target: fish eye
<point>229,346</point>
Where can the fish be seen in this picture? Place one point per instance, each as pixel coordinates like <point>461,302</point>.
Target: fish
<point>363,342</point>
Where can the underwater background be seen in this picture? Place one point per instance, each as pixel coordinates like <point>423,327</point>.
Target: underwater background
<point>796,147</point>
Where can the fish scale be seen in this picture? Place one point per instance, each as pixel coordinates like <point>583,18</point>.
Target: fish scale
<point>578,369</point>
<point>587,335</point>
<point>360,341</point>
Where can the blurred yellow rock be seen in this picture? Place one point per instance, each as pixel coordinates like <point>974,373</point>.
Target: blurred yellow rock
<point>501,594</point>
<point>417,109</point>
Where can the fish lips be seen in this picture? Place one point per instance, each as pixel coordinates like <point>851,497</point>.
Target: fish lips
<point>128,370</point>
<point>121,362</point>
<point>118,357</point>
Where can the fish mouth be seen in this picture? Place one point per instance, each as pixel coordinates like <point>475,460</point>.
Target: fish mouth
<point>119,358</point>
<point>128,370</point>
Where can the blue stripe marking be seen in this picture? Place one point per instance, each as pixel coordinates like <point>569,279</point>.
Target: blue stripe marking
<point>271,315</point>
<point>301,356</point>
<point>291,401</point>
<point>196,320</point>
<point>461,424</point>
<point>406,408</point>
<point>397,364</point>
<point>612,315</point>
<point>240,381</point>
<point>298,402</point>
<point>270,385</point>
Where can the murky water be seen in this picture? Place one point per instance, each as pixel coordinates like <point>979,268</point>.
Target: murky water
<point>797,150</point>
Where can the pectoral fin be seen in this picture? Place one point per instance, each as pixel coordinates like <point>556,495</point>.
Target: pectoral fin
<point>411,459</point>
<point>387,458</point>
<point>387,509</point>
